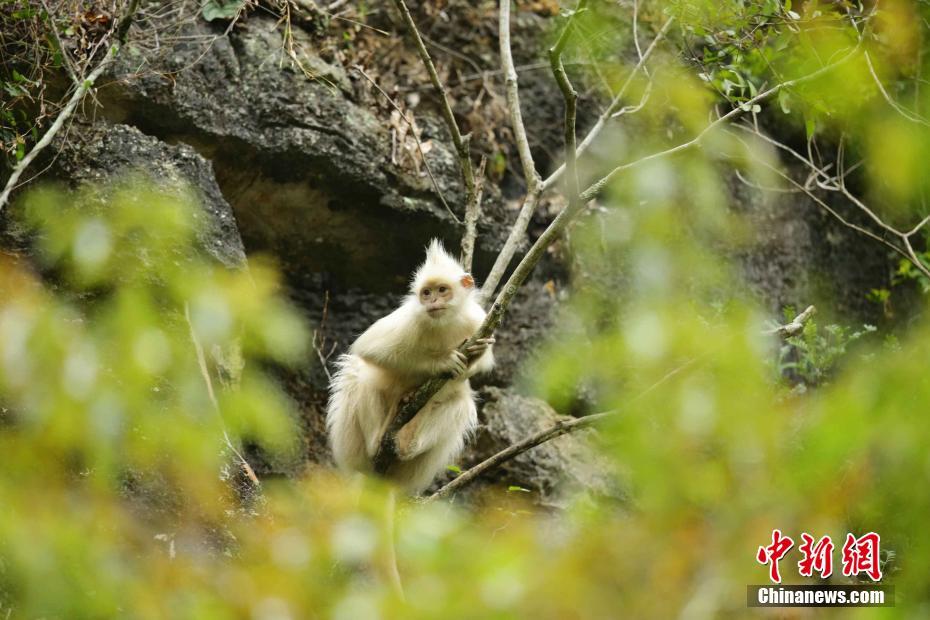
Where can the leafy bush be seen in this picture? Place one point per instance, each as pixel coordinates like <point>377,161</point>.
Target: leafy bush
<point>812,356</point>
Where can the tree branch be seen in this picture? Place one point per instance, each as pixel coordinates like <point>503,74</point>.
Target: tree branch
<point>570,95</point>
<point>824,181</point>
<point>513,99</point>
<point>472,212</point>
<point>531,176</point>
<point>535,190</point>
<point>560,428</point>
<point>795,326</point>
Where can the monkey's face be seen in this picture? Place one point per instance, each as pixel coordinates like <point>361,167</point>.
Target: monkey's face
<point>437,298</point>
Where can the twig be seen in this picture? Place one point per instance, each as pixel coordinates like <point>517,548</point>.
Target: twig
<point>570,95</point>
<point>517,233</point>
<point>531,176</point>
<point>900,109</point>
<point>614,106</point>
<point>319,339</point>
<point>598,186</point>
<point>795,326</point>
<point>65,57</point>
<point>461,142</point>
<point>560,428</point>
<point>83,87</point>
<point>413,131</point>
<point>826,182</point>
<point>472,212</point>
<point>205,372</point>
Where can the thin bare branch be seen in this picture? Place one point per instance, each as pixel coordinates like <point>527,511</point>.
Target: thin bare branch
<point>416,138</point>
<point>615,104</point>
<point>598,186</point>
<point>518,230</point>
<point>472,212</point>
<point>530,174</point>
<point>897,107</point>
<point>837,184</point>
<point>205,372</point>
<point>517,233</point>
<point>826,207</point>
<point>560,428</point>
<point>570,95</point>
<point>826,181</point>
<point>460,141</point>
<point>795,326</point>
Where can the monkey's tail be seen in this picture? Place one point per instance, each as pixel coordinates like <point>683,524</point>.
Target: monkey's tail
<point>347,401</point>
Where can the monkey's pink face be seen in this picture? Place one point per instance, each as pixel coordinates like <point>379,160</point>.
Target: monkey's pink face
<point>436,297</point>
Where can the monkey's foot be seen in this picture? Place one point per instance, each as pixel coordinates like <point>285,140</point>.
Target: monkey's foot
<point>405,444</point>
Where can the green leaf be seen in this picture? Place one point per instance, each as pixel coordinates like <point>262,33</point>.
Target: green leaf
<point>455,469</point>
<point>784,101</point>
<point>221,9</point>
<point>810,126</point>
<point>515,489</point>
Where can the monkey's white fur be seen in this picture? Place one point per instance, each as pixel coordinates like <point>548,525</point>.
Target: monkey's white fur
<point>391,358</point>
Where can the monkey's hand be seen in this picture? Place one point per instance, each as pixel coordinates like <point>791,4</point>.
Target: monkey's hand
<point>457,364</point>
<point>479,348</point>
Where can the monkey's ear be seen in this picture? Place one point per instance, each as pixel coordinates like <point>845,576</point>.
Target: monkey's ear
<point>467,281</point>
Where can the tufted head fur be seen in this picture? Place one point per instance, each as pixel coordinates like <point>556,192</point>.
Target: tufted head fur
<point>440,265</point>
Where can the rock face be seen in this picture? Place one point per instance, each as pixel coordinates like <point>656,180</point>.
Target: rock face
<point>307,169</point>
<point>103,152</point>
<point>800,255</point>
<point>304,170</point>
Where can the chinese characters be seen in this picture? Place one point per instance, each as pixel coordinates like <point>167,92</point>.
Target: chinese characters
<point>859,555</point>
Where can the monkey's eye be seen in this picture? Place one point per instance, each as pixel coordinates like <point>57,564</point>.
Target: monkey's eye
<point>424,292</point>
<point>443,289</point>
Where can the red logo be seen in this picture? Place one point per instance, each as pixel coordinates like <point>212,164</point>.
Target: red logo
<point>817,557</point>
<point>860,555</point>
<point>773,553</point>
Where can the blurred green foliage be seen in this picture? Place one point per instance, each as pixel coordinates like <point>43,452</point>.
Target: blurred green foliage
<point>115,498</point>
<point>811,357</point>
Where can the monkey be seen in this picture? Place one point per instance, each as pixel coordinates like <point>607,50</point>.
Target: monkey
<point>417,341</point>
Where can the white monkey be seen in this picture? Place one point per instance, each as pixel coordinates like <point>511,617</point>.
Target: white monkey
<point>397,353</point>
